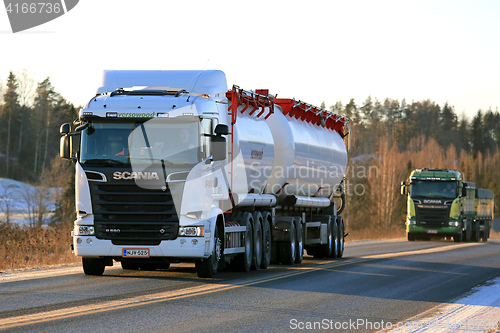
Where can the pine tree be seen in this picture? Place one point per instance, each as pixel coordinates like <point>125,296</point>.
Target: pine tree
<point>477,134</point>
<point>41,121</point>
<point>10,108</point>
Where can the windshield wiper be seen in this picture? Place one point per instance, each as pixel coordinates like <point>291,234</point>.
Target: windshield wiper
<point>165,162</point>
<point>104,161</point>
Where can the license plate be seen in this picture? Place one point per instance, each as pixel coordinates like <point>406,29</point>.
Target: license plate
<point>135,253</point>
<point>432,231</point>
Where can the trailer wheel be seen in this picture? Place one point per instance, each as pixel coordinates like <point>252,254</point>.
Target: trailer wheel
<point>299,241</point>
<point>341,231</point>
<point>207,268</point>
<point>244,260</point>
<point>335,239</point>
<point>475,234</point>
<point>257,242</point>
<point>93,266</point>
<point>266,243</point>
<point>287,248</point>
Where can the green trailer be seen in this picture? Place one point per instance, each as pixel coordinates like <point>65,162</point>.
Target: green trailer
<point>441,203</point>
<point>484,207</point>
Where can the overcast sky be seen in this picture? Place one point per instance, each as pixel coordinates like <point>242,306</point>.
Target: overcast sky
<point>446,51</point>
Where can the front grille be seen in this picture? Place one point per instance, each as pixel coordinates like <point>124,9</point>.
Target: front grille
<point>432,216</point>
<point>130,215</point>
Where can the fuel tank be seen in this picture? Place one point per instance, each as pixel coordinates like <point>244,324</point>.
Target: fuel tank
<point>284,156</point>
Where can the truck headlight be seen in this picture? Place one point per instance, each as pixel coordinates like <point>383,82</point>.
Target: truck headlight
<point>410,222</point>
<point>84,230</point>
<point>191,231</point>
<point>454,224</point>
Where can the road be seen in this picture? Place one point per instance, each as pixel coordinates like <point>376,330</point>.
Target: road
<point>376,283</point>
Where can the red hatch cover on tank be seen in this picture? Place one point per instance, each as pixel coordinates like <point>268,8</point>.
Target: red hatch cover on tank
<point>260,99</point>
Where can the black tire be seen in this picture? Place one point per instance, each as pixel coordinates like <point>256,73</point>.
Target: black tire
<point>458,237</point>
<point>207,268</point>
<point>467,235</point>
<point>257,241</point>
<point>341,232</point>
<point>475,234</point>
<point>243,261</point>
<point>411,237</point>
<point>93,266</point>
<point>335,238</point>
<point>287,248</point>
<point>299,241</point>
<point>267,239</point>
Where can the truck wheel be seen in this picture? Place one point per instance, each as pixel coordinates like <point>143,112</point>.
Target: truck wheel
<point>257,242</point>
<point>244,260</point>
<point>287,248</point>
<point>266,243</point>
<point>341,231</point>
<point>467,235</point>
<point>325,250</point>
<point>93,266</point>
<point>458,237</point>
<point>335,239</point>
<point>299,241</point>
<point>475,234</point>
<point>411,237</point>
<point>207,268</point>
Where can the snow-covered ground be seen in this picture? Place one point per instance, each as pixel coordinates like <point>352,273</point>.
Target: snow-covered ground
<point>22,201</point>
<point>477,311</point>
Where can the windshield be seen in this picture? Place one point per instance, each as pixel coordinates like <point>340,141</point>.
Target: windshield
<point>433,189</point>
<point>172,141</point>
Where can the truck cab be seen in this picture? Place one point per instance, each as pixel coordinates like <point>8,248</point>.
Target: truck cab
<point>140,151</point>
<point>439,203</point>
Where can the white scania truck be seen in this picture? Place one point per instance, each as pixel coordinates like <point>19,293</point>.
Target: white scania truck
<point>171,166</point>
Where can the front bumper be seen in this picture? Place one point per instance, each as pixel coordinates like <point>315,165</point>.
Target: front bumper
<point>182,247</point>
<point>432,230</point>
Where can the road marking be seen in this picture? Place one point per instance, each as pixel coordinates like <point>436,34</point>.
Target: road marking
<point>191,291</point>
<point>34,274</point>
<point>424,251</point>
<point>153,298</point>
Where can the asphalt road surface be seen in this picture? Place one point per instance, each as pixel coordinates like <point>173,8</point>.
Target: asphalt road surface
<point>376,283</point>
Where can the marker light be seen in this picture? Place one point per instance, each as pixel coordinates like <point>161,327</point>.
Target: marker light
<point>84,230</point>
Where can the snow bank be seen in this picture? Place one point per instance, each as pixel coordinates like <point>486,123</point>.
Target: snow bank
<point>21,201</point>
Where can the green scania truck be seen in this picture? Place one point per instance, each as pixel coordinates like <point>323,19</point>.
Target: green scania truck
<point>441,203</point>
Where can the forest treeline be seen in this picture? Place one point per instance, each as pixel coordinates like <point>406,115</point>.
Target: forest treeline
<point>31,114</point>
<point>388,139</point>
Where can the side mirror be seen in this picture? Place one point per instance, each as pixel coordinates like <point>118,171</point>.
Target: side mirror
<point>64,129</point>
<point>464,191</point>
<point>81,127</point>
<point>221,129</point>
<point>218,148</point>
<point>65,147</point>
<point>403,188</point>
